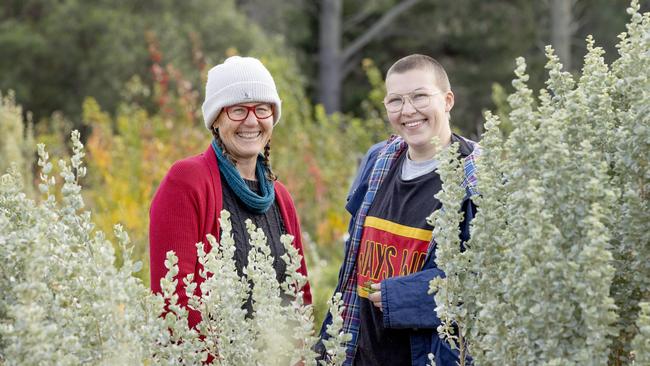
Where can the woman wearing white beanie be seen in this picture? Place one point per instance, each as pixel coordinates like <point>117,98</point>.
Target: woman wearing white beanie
<point>241,108</point>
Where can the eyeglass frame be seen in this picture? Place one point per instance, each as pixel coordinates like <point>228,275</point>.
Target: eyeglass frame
<point>248,111</point>
<point>407,96</point>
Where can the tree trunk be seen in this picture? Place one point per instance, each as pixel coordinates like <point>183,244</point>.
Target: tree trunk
<point>330,63</point>
<point>562,30</point>
<point>333,59</point>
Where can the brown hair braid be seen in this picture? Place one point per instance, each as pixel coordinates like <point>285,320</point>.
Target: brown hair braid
<point>267,152</point>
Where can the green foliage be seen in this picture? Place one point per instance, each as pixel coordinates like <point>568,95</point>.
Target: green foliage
<point>557,263</point>
<point>630,153</point>
<point>334,344</point>
<point>63,300</point>
<point>54,64</point>
<point>276,334</point>
<point>16,139</point>
<point>446,232</point>
<point>641,342</point>
<point>128,157</point>
<point>502,110</point>
<point>63,51</point>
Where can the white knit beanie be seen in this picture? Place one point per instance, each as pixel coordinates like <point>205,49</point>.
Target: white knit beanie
<point>238,80</point>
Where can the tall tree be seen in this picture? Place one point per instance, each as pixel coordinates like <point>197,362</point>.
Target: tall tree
<point>563,28</point>
<point>334,60</point>
<point>330,54</point>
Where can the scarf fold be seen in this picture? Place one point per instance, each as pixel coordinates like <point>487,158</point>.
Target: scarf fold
<point>256,203</point>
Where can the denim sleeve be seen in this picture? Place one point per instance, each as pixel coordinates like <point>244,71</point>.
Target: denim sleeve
<point>406,302</point>
<point>360,185</point>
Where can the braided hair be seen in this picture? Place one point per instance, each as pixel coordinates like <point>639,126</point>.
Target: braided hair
<point>267,153</point>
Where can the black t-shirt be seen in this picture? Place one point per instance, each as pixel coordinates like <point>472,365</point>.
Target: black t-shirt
<point>394,243</point>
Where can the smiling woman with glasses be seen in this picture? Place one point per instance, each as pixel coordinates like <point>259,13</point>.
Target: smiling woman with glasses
<point>241,108</point>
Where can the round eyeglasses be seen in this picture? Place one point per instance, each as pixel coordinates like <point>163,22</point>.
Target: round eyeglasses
<point>419,100</point>
<point>240,112</point>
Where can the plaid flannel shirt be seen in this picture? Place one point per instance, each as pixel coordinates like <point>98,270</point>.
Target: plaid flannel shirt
<point>347,285</point>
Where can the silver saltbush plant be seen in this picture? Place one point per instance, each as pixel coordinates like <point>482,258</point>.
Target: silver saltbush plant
<point>557,263</point>
<point>276,334</point>
<point>335,343</point>
<point>65,302</point>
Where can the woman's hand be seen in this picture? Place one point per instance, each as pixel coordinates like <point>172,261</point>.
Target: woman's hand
<point>375,296</point>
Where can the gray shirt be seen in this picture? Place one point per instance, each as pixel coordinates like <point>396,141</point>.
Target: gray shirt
<point>413,169</point>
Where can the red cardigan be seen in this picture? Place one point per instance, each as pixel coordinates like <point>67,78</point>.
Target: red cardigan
<point>185,209</point>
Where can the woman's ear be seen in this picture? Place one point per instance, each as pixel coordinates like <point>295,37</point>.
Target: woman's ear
<point>449,101</point>
<point>217,120</point>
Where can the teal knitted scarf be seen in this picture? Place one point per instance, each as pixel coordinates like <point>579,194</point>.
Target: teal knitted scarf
<point>253,201</point>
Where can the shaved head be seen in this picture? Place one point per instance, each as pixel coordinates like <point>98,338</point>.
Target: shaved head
<point>422,62</point>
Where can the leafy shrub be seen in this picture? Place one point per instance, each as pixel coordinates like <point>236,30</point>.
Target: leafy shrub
<point>64,302</point>
<point>557,263</point>
<point>16,138</point>
<point>641,342</point>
